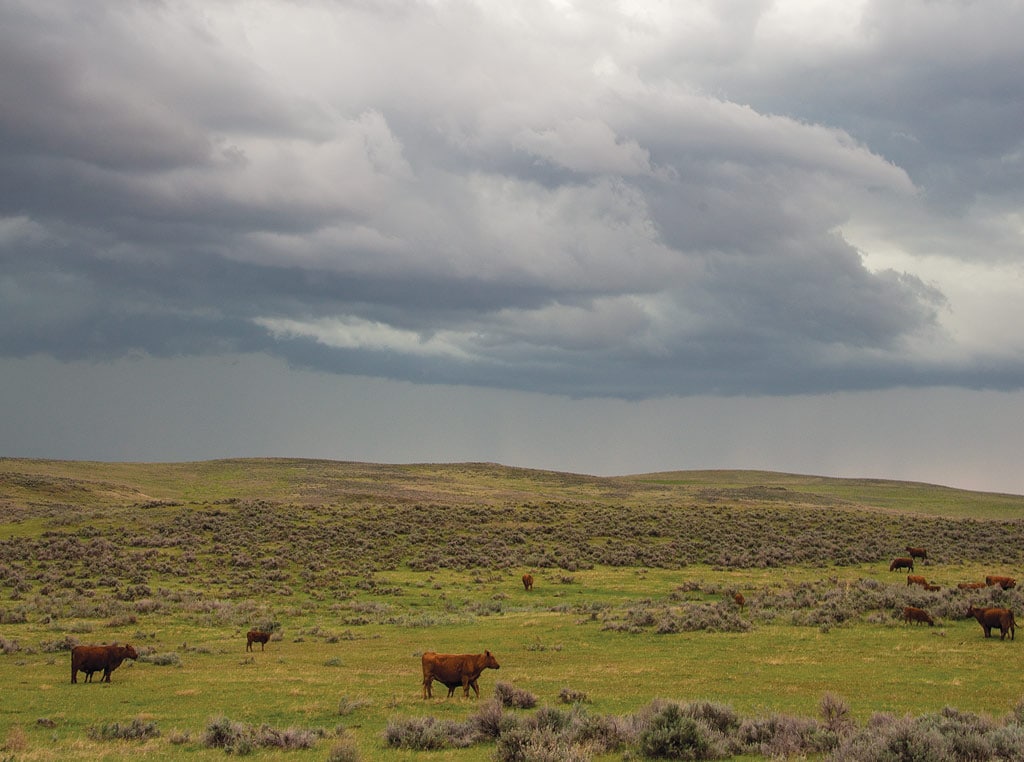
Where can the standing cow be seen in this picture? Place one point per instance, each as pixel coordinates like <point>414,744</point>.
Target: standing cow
<point>989,618</point>
<point>1004,582</point>
<point>914,579</point>
<point>917,553</point>
<point>256,636</point>
<point>89,659</point>
<point>902,563</point>
<point>528,582</point>
<point>457,669</point>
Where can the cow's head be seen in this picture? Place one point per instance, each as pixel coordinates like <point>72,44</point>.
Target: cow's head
<point>130,652</point>
<point>490,661</point>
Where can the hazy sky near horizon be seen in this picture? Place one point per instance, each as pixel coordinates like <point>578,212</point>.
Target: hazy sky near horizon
<point>603,237</point>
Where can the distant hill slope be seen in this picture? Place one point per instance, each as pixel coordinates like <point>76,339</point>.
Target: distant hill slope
<point>35,486</point>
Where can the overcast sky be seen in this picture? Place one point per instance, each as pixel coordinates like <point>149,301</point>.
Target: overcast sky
<point>596,236</point>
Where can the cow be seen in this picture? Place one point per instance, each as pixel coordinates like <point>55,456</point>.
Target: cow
<point>528,582</point>
<point>913,579</point>
<point>455,669</point>
<point>1004,582</point>
<point>256,636</point>
<point>932,588</point>
<point>917,553</point>
<point>971,585</point>
<point>989,618</point>
<point>739,599</point>
<point>89,659</point>
<point>902,563</point>
<point>913,614</point>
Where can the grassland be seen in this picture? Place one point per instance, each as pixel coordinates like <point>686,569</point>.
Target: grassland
<point>359,568</point>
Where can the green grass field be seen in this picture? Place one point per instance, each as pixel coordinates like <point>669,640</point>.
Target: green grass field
<point>362,568</point>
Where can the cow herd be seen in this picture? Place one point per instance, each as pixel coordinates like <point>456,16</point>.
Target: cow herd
<point>463,670</point>
<point>989,618</point>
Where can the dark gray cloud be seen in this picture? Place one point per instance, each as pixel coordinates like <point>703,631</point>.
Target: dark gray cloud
<point>589,201</point>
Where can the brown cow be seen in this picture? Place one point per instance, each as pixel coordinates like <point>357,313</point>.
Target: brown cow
<point>971,585</point>
<point>932,588</point>
<point>739,599</point>
<point>914,614</point>
<point>89,659</point>
<point>1004,582</point>
<point>917,553</point>
<point>460,669</point>
<point>902,563</point>
<point>256,636</point>
<point>989,618</point>
<point>913,579</point>
<point>528,581</point>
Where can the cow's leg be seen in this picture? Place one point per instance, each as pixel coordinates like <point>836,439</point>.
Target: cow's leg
<point>476,688</point>
<point>465,686</point>
<point>74,675</point>
<point>427,692</point>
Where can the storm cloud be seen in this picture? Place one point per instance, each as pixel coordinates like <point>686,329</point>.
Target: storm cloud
<point>593,199</point>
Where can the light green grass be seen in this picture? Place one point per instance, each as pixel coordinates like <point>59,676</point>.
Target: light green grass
<point>772,668</point>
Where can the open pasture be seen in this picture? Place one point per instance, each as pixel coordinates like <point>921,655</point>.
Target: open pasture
<point>358,569</point>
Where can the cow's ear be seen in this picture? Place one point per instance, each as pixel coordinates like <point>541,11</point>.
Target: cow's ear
<point>486,652</point>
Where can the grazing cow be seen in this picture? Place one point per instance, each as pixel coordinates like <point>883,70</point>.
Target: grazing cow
<point>528,582</point>
<point>971,585</point>
<point>902,563</point>
<point>913,614</point>
<point>932,588</point>
<point>917,553</point>
<point>913,579</point>
<point>89,659</point>
<point>455,669</point>
<point>739,600</point>
<point>989,618</point>
<point>1004,582</point>
<point>256,636</point>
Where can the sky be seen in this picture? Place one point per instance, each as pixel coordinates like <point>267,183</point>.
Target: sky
<point>598,236</point>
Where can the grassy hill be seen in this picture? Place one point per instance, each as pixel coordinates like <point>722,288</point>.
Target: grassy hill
<point>359,568</point>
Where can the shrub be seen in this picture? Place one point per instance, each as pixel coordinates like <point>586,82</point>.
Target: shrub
<point>572,696</point>
<point>835,713</point>
<point>516,698</point>
<point>671,734</point>
<point>347,706</point>
<point>523,744</point>
<point>428,734</point>
<point>491,721</point>
<point>136,730</point>
<point>886,739</point>
<point>240,738</point>
<point>169,659</point>
<point>344,749</point>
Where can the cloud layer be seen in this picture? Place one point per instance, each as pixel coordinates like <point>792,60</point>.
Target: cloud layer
<point>591,199</point>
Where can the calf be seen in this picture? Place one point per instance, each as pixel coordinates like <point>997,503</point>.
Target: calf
<point>989,618</point>
<point>528,581</point>
<point>913,614</point>
<point>455,669</point>
<point>971,585</point>
<point>913,579</point>
<point>917,552</point>
<point>89,659</point>
<point>902,563</point>
<point>739,600</point>
<point>256,636</point>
